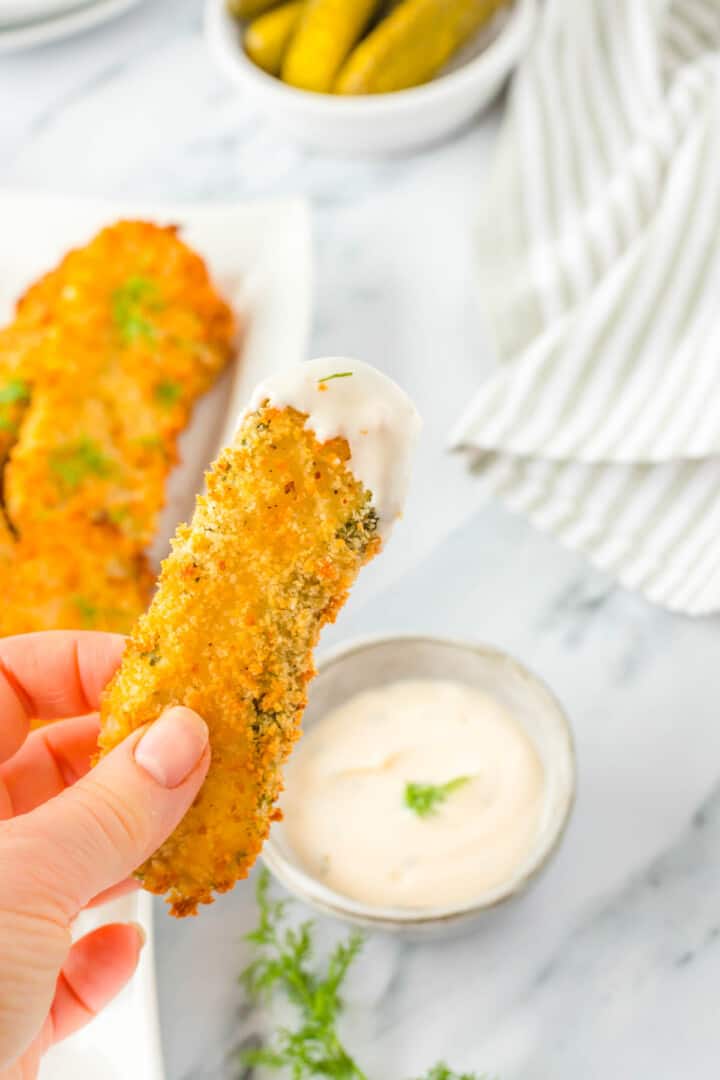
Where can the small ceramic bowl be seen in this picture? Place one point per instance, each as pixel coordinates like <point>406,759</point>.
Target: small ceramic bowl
<point>378,123</point>
<point>375,662</point>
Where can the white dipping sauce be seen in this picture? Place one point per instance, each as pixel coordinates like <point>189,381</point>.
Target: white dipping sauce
<point>344,397</point>
<point>346,816</point>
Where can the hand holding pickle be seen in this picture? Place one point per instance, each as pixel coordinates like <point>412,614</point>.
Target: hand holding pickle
<point>352,47</point>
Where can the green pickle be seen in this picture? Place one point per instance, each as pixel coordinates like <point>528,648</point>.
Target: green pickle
<point>248,9</point>
<point>268,36</point>
<point>412,44</point>
<point>327,32</point>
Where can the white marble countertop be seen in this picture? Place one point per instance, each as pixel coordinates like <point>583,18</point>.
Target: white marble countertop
<point>610,967</point>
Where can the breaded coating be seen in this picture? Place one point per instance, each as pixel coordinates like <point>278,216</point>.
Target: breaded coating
<point>45,589</point>
<point>7,547</point>
<point>135,333</point>
<point>18,345</point>
<point>268,559</point>
<point>105,360</point>
<point>138,286</point>
<point>72,466</point>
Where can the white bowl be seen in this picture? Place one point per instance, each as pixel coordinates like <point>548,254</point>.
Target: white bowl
<point>375,662</point>
<point>15,12</point>
<point>378,123</point>
<point>16,36</point>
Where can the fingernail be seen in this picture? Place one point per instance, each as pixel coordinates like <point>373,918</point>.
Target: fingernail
<point>173,746</point>
<point>141,932</point>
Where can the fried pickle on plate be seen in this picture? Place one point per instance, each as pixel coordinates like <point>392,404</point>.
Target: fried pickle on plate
<point>127,332</point>
<point>47,587</point>
<point>18,345</point>
<point>271,553</point>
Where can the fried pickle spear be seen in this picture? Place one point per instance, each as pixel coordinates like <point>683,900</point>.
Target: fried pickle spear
<point>293,510</point>
<point>19,346</point>
<point>135,332</point>
<point>45,588</point>
<point>126,333</point>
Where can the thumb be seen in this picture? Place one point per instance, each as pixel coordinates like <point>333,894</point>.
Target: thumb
<point>103,827</point>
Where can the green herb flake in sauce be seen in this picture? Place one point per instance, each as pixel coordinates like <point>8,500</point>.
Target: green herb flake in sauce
<point>424,799</point>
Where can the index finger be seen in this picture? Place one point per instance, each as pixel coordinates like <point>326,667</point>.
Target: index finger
<point>51,675</point>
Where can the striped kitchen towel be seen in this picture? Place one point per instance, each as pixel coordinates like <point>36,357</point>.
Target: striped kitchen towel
<point>600,277</point>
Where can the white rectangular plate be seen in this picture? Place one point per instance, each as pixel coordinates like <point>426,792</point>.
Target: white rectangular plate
<point>259,254</point>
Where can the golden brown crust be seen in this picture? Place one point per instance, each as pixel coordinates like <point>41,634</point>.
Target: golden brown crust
<point>113,347</point>
<point>268,559</point>
<point>45,589</point>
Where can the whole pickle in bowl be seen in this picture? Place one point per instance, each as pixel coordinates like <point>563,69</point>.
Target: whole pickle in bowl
<point>268,36</point>
<point>327,31</point>
<point>412,44</point>
<point>248,9</point>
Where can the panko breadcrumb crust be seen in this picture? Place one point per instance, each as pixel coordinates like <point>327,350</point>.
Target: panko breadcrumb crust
<point>271,553</point>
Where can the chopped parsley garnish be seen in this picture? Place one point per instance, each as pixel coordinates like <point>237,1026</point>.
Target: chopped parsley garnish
<point>73,463</point>
<point>132,305</point>
<point>337,375</point>
<point>87,611</point>
<point>14,392</point>
<point>90,613</point>
<point>424,799</point>
<point>116,515</point>
<point>168,393</point>
<point>149,442</point>
<point>311,1047</point>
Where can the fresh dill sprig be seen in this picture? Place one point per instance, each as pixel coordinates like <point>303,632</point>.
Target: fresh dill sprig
<point>337,375</point>
<point>442,1072</point>
<point>313,1049</point>
<point>286,963</point>
<point>424,799</point>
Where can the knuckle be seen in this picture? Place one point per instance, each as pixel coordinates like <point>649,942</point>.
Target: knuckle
<point>107,815</point>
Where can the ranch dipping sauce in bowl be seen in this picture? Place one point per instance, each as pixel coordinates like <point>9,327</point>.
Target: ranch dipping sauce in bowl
<point>434,780</point>
<point>438,788</point>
